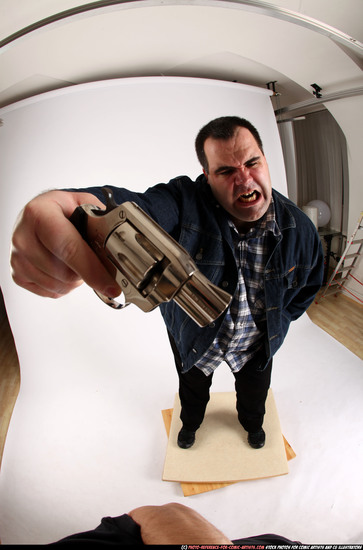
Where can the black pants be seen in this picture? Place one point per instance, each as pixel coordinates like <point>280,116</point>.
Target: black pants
<point>251,391</point>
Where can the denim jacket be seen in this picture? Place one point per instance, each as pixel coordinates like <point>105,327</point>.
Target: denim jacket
<point>188,211</point>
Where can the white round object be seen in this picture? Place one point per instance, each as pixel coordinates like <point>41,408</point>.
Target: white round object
<point>324,213</point>
<point>312,213</point>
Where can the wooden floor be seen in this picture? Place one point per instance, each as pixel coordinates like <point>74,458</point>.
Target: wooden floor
<point>340,316</point>
<point>9,378</point>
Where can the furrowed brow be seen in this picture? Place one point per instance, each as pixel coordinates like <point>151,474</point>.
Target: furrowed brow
<point>252,160</point>
<point>227,168</point>
<point>222,169</point>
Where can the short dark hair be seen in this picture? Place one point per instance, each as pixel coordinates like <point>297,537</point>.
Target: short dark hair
<point>222,128</point>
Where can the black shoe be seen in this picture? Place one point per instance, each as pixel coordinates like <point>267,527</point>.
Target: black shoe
<point>186,438</point>
<point>256,439</point>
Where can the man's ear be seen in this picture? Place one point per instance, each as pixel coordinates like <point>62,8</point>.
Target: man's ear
<point>205,173</point>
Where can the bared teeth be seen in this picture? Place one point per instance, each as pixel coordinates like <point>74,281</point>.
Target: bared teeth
<point>248,197</point>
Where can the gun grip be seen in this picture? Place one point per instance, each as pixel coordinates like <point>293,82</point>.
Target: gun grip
<point>79,220</point>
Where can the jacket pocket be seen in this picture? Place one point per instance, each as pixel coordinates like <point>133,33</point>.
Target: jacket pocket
<point>206,250</point>
<point>296,277</point>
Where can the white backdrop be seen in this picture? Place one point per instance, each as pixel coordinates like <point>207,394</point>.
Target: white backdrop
<point>86,438</point>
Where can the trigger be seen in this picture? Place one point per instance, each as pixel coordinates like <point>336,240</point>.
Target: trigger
<point>110,301</point>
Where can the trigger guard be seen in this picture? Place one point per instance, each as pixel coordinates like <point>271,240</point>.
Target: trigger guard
<point>111,302</point>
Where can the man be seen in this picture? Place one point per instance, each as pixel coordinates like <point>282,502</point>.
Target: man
<point>172,524</point>
<point>243,235</point>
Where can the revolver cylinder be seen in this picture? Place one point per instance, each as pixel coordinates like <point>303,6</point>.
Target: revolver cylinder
<point>148,264</point>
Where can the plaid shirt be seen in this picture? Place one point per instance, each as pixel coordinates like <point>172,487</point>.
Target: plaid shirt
<point>242,332</point>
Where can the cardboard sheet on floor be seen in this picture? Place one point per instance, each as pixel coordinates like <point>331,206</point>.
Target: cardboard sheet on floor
<point>221,453</point>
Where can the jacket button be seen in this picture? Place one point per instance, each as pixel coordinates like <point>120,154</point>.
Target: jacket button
<point>212,325</point>
<point>194,350</point>
<point>224,284</point>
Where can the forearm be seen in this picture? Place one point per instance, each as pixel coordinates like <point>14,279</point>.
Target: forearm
<point>175,524</point>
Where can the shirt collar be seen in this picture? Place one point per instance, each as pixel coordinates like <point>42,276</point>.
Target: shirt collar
<point>265,224</point>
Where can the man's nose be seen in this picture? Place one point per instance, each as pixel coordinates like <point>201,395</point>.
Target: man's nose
<point>242,175</point>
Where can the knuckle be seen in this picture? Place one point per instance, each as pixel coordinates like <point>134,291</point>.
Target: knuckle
<point>17,280</point>
<point>30,213</point>
<point>16,265</point>
<point>17,243</point>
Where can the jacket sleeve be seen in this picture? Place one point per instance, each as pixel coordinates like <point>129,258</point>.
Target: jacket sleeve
<point>111,533</point>
<point>163,202</point>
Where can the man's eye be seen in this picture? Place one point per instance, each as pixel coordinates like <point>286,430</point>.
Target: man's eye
<point>226,172</point>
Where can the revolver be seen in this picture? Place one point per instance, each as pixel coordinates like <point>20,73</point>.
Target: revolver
<point>148,264</point>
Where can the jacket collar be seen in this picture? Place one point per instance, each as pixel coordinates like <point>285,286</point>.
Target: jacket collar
<point>284,217</point>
